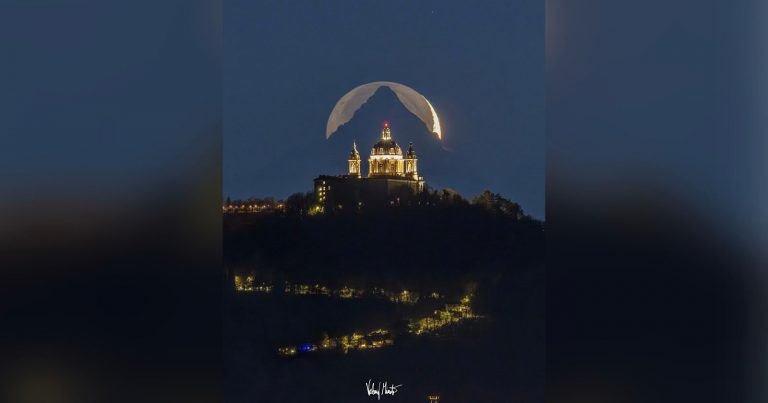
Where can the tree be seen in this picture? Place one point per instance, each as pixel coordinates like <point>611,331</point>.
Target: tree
<point>297,204</point>
<point>495,203</point>
<point>452,198</point>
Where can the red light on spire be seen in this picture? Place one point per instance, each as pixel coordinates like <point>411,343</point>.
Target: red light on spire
<point>386,123</point>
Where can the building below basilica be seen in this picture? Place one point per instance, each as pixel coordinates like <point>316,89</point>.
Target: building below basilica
<point>391,176</point>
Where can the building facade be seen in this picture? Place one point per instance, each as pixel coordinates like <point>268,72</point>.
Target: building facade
<point>391,176</point>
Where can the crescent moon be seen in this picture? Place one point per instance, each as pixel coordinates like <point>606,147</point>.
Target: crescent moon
<point>350,103</point>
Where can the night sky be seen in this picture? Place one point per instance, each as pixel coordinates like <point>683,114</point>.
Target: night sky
<point>480,65</point>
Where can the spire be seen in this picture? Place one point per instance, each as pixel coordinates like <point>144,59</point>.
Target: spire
<point>385,134</point>
<point>354,154</point>
<point>354,161</point>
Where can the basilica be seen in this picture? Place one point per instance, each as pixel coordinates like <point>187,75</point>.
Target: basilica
<point>390,176</point>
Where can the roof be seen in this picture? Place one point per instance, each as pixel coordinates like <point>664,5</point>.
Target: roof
<point>386,145</point>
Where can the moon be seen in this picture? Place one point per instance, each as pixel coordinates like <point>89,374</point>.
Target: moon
<point>351,102</point>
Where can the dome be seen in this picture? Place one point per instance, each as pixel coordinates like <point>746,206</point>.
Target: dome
<point>386,147</point>
<point>386,157</point>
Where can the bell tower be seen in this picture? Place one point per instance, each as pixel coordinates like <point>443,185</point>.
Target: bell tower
<point>354,161</point>
<point>411,170</point>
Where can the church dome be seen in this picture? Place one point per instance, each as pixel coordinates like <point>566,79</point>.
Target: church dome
<point>385,145</point>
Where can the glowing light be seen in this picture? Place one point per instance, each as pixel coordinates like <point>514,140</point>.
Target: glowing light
<point>307,347</point>
<point>247,284</point>
<point>287,351</point>
<point>403,297</point>
<point>356,341</point>
<point>450,314</point>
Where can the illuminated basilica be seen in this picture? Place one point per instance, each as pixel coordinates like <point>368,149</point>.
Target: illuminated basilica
<point>389,175</point>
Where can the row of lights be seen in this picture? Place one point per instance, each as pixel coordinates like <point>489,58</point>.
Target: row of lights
<point>441,318</point>
<point>247,284</point>
<point>373,339</point>
<point>451,314</point>
<point>250,207</point>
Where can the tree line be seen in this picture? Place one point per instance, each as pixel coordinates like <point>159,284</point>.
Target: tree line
<point>302,204</point>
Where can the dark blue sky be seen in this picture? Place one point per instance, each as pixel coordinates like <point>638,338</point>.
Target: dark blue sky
<point>122,96</point>
<point>480,64</point>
